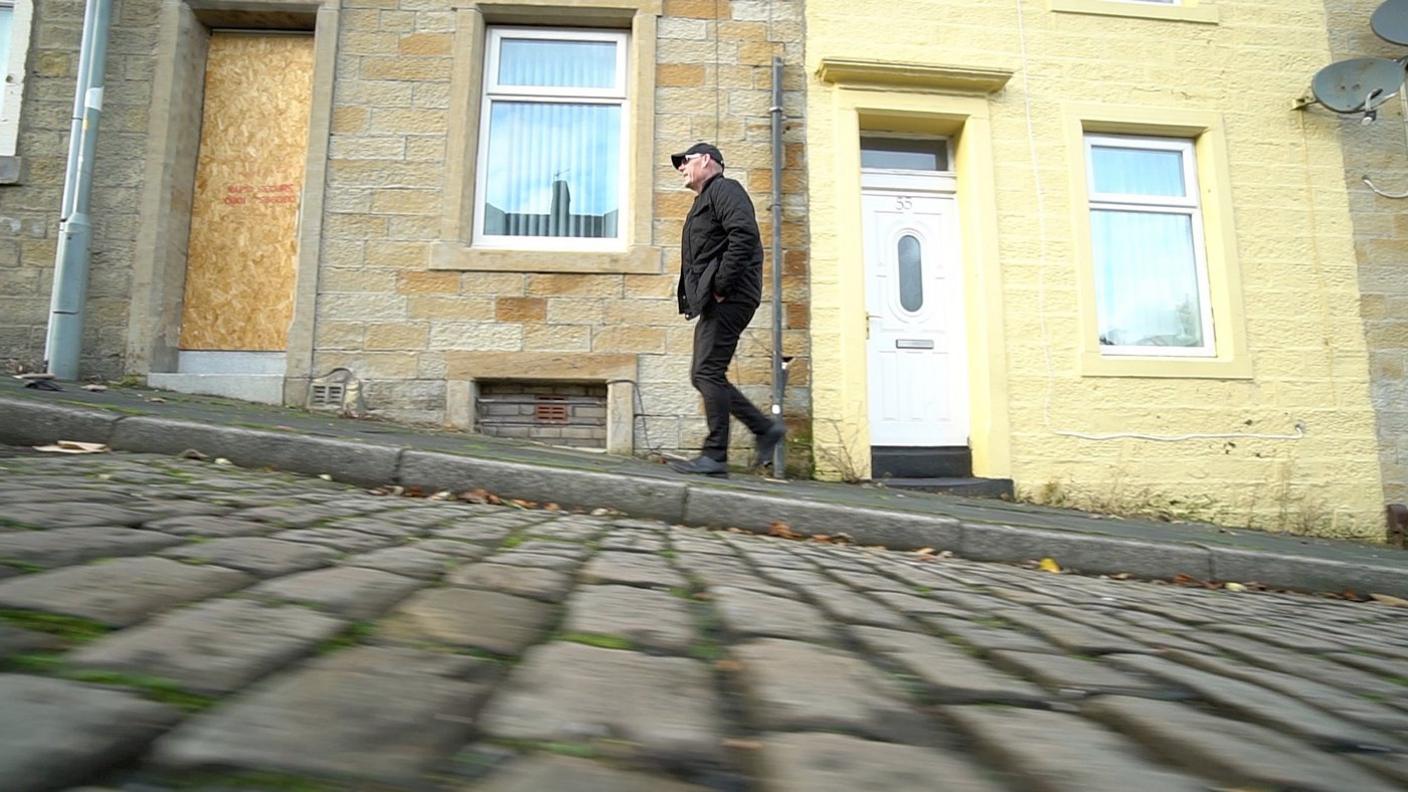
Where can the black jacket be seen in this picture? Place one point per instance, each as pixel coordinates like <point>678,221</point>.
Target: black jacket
<point>720,250</point>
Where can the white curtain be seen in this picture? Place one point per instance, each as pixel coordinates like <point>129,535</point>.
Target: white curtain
<point>1146,274</point>
<point>553,167</point>
<point>1146,279</point>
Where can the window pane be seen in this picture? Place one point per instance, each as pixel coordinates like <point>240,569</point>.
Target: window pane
<point>911,274</point>
<point>1146,279</point>
<point>553,169</point>
<point>904,154</point>
<point>1138,171</point>
<point>558,64</point>
<point>6,15</point>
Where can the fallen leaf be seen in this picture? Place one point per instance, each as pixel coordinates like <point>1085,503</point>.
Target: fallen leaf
<point>325,477</point>
<point>157,400</point>
<point>1121,576</point>
<point>191,453</point>
<point>552,507</point>
<point>1235,587</point>
<point>782,529</point>
<point>925,551</point>
<point>222,461</point>
<point>1049,565</point>
<point>73,447</point>
<point>728,666</point>
<point>442,495</point>
<point>1387,599</point>
<point>95,388</point>
<point>739,744</point>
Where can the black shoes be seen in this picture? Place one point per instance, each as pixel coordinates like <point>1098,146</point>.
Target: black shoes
<point>704,466</point>
<point>767,443</point>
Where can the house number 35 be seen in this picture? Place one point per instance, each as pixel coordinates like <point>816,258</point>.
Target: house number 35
<point>904,203</point>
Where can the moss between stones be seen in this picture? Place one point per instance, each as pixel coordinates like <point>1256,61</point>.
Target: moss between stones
<point>70,628</point>
<point>598,640</point>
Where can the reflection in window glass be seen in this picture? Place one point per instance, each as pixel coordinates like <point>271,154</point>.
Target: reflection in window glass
<point>551,136</point>
<point>1131,171</point>
<point>911,274</point>
<point>553,170</point>
<point>929,154</point>
<point>559,64</point>
<point>1146,279</point>
<point>7,13</point>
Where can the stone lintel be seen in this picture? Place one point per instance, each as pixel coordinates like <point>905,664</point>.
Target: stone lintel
<point>903,74</point>
<point>554,366</point>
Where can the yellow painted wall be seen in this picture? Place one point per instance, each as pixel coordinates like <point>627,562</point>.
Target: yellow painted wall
<point>1281,254</point>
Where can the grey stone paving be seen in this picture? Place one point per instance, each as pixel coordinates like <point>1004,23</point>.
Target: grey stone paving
<point>119,592</point>
<point>406,560</point>
<point>54,733</point>
<point>215,647</point>
<point>1056,752</point>
<point>647,619</point>
<point>540,584</point>
<point>816,762</point>
<point>257,555</point>
<point>345,718</point>
<point>664,708</point>
<point>535,774</point>
<point>1232,750</point>
<point>631,569</point>
<point>409,645</point>
<point>471,619</point>
<point>66,546</point>
<point>783,679</point>
<point>350,592</point>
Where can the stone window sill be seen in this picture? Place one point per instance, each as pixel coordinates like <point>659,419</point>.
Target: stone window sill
<point>1184,12</point>
<point>10,169</point>
<point>634,260</point>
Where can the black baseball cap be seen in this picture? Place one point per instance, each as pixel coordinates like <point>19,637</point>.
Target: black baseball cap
<point>697,148</point>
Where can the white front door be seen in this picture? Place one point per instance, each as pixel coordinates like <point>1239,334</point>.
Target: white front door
<point>918,368</point>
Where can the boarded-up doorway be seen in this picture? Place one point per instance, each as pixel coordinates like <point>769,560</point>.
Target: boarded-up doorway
<point>249,182</point>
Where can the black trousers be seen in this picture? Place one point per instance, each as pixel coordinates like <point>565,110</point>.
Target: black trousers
<point>715,340</point>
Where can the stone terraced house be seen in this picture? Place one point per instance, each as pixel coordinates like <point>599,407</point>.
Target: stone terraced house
<point>1082,250</point>
<point>466,210</point>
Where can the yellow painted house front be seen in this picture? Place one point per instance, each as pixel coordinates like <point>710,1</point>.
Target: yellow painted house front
<point>1090,242</point>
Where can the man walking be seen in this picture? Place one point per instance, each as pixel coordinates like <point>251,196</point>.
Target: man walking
<point>721,282</point>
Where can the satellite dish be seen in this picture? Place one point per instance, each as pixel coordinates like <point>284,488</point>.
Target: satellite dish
<point>1390,21</point>
<point>1358,85</point>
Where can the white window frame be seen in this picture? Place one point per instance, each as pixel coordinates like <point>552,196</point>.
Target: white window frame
<point>1190,204</point>
<point>13,100</point>
<point>615,95</point>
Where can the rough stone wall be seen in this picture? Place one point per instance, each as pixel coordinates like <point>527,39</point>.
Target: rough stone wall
<point>1293,237</point>
<point>29,211</point>
<point>1380,237</point>
<point>385,314</point>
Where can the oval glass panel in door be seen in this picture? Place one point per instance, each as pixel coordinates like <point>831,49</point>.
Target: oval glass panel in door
<point>911,274</point>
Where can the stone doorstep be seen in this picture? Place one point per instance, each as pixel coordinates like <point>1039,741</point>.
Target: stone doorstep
<point>703,504</point>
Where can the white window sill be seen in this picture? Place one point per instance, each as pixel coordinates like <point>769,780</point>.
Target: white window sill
<point>1204,14</point>
<point>1094,364</point>
<point>633,260</point>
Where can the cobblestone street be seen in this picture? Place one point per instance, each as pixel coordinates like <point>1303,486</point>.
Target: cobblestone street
<point>178,624</point>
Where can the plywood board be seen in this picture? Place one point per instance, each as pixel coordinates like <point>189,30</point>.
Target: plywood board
<point>249,184</point>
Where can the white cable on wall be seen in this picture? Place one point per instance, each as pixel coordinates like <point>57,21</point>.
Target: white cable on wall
<point>1041,291</point>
